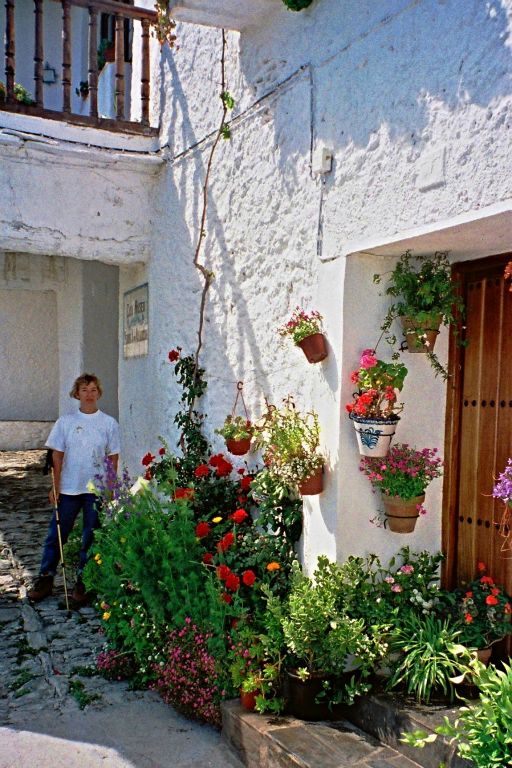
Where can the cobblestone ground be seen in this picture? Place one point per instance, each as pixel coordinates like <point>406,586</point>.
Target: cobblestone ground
<point>45,654</point>
<point>42,651</point>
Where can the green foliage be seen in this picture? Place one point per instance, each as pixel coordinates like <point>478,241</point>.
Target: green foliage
<point>482,730</point>
<point>321,637</point>
<point>225,131</point>
<point>227,100</point>
<point>235,428</point>
<point>425,291</point>
<point>189,421</point>
<point>278,510</point>
<point>431,657</point>
<point>290,443</point>
<point>81,695</point>
<point>297,5</point>
<point>148,574</point>
<point>20,94</point>
<point>72,548</point>
<point>23,677</point>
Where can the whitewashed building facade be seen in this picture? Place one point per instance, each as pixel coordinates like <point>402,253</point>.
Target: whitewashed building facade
<point>410,99</point>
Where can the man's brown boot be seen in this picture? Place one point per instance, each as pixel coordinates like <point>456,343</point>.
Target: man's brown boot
<point>79,595</point>
<point>43,587</point>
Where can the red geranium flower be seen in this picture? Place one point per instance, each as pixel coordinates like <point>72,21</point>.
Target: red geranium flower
<point>148,475</point>
<point>207,558</point>
<point>184,493</point>
<point>468,618</point>
<point>227,597</point>
<point>239,515</point>
<point>245,483</point>
<point>202,530</point>
<point>491,600</point>
<point>248,578</point>
<point>487,580</point>
<point>161,451</point>
<point>147,459</point>
<point>223,572</point>
<point>202,470</point>
<point>232,582</point>
<point>174,355</point>
<point>226,541</point>
<point>214,460</point>
<point>241,471</point>
<point>481,566</point>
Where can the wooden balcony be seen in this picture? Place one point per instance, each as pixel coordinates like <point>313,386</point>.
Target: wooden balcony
<point>127,26</point>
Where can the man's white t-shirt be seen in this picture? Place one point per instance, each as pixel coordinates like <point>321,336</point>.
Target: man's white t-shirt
<point>85,439</point>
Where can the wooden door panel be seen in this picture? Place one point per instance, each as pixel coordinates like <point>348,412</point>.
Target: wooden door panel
<point>480,428</point>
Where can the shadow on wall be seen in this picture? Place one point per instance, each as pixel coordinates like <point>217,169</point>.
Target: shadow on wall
<point>383,63</point>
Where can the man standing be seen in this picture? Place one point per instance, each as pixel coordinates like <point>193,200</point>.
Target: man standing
<point>80,442</point>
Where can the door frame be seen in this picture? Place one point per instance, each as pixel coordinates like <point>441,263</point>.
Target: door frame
<point>460,271</point>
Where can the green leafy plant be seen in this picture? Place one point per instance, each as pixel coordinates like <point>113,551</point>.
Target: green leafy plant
<point>482,610</point>
<point>301,325</point>
<point>377,383</point>
<point>297,5</point>
<point>431,657</point>
<point>81,695</point>
<point>321,637</point>
<point>21,94</point>
<point>482,730</point>
<point>425,292</point>
<point>290,443</point>
<point>235,428</point>
<point>278,510</point>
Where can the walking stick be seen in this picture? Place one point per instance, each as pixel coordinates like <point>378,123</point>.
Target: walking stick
<point>59,536</point>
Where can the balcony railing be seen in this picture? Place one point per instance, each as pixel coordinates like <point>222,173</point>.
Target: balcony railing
<point>122,19</point>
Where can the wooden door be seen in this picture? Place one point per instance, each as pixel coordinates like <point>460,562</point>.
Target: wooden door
<point>479,426</point>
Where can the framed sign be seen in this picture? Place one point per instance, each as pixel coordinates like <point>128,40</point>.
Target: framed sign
<point>136,326</point>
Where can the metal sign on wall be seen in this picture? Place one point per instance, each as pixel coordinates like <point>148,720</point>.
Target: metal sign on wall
<point>136,326</point>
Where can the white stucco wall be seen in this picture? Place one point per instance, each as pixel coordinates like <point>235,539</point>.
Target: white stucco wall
<point>414,100</point>
<point>29,355</point>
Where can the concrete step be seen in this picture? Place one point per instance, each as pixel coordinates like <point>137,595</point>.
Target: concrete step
<point>367,737</point>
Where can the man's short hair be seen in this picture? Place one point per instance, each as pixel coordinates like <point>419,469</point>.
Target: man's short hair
<point>85,378</point>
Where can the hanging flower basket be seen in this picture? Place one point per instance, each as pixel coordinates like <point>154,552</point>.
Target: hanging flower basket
<point>239,447</point>
<point>313,485</point>
<point>374,435</point>
<point>401,514</point>
<point>421,335</point>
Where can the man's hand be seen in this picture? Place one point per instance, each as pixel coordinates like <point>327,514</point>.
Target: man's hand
<point>53,501</point>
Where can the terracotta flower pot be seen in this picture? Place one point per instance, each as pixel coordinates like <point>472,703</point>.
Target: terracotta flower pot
<point>484,655</point>
<point>374,435</point>
<point>312,485</point>
<point>421,335</point>
<point>314,347</point>
<point>401,514</point>
<point>248,699</point>
<point>239,447</point>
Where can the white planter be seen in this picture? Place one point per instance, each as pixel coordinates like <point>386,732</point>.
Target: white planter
<point>374,435</point>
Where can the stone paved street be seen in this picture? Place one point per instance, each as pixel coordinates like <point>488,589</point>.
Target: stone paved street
<point>45,657</point>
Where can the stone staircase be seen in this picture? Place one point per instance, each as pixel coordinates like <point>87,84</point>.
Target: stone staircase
<point>367,736</point>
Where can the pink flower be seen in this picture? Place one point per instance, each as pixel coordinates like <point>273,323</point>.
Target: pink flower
<point>407,569</point>
<point>368,359</point>
<point>396,588</point>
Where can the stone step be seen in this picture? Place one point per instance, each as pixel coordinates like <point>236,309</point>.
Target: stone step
<point>368,737</point>
<point>264,741</point>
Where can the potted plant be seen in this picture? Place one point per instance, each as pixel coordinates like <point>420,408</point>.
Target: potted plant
<point>426,298</point>
<point>330,655</point>
<point>237,432</point>
<point>374,409</point>
<point>402,477</point>
<point>431,657</point>
<point>483,612</point>
<point>306,332</point>
<point>290,444</point>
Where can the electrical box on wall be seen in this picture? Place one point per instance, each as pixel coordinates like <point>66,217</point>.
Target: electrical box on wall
<point>322,160</point>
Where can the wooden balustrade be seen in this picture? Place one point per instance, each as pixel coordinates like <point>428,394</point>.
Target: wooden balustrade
<point>120,13</point>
